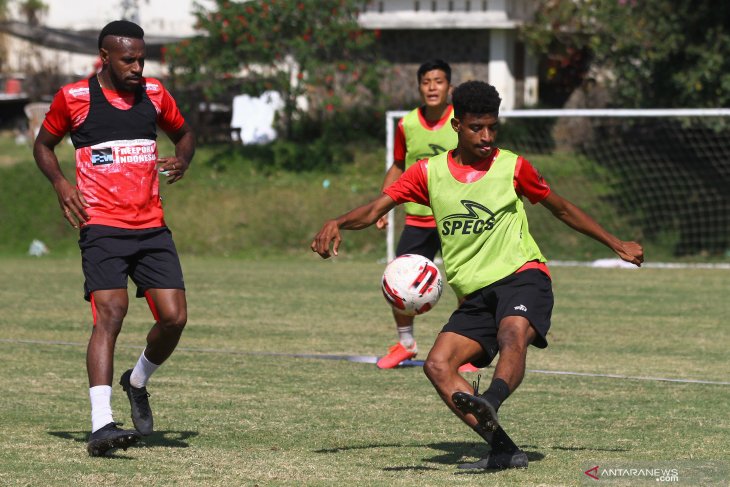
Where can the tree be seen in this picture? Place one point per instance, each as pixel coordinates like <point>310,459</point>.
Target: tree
<point>3,16</point>
<point>312,52</point>
<point>33,10</point>
<point>658,53</point>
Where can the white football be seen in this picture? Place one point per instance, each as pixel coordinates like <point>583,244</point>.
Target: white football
<point>412,284</point>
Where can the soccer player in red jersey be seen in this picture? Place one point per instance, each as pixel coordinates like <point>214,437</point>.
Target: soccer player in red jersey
<point>112,118</point>
<point>492,262</point>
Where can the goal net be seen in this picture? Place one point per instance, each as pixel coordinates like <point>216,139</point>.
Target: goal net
<point>661,177</point>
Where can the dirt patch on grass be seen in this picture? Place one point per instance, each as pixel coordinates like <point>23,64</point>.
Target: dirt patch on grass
<point>7,161</point>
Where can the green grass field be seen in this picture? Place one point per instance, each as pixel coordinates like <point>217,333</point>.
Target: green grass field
<point>234,407</point>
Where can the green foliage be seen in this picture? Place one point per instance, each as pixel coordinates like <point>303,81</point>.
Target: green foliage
<point>33,10</point>
<point>29,208</point>
<point>659,53</point>
<point>312,52</point>
<point>324,144</point>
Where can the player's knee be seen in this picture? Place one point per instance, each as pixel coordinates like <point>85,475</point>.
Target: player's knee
<point>109,317</point>
<point>436,369</point>
<point>174,322</point>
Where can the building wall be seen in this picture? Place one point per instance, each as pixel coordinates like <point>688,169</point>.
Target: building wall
<point>157,17</point>
<point>446,14</point>
<point>466,51</point>
<point>477,37</point>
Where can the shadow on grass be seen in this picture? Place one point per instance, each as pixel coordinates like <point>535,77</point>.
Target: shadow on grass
<point>412,468</point>
<point>169,439</point>
<point>453,453</point>
<point>456,453</point>
<point>579,448</point>
<point>339,449</point>
<point>456,450</point>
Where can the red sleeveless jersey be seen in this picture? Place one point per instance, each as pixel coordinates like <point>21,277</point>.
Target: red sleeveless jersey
<point>116,169</point>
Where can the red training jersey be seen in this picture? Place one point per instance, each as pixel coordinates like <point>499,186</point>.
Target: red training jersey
<point>123,193</point>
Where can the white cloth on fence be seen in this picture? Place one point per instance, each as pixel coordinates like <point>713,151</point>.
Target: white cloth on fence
<point>255,117</point>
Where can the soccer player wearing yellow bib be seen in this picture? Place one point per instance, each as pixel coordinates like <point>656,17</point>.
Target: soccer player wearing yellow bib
<point>491,260</point>
<point>424,132</point>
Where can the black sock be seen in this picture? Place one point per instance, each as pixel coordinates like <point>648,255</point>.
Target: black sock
<point>497,392</point>
<point>498,440</point>
<point>502,443</point>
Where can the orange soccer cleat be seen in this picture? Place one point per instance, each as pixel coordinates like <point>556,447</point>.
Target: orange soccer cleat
<point>397,354</point>
<point>468,368</point>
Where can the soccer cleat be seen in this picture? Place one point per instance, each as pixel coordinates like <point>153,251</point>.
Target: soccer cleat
<point>496,460</point>
<point>468,367</point>
<point>485,412</point>
<point>397,354</point>
<point>109,437</point>
<point>138,399</point>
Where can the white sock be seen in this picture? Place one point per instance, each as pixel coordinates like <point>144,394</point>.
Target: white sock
<point>101,406</point>
<point>142,372</point>
<point>405,336</point>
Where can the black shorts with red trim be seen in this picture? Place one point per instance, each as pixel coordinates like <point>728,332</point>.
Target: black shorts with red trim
<point>528,293</point>
<point>110,255</point>
<point>419,240</point>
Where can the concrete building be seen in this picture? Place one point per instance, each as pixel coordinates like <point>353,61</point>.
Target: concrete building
<point>69,30</point>
<point>478,38</point>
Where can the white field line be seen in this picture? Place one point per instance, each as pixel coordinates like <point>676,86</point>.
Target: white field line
<point>371,359</point>
<point>618,263</point>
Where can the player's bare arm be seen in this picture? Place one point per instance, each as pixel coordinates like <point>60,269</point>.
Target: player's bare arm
<point>175,167</point>
<point>357,219</point>
<point>72,203</point>
<point>577,219</point>
<point>393,174</point>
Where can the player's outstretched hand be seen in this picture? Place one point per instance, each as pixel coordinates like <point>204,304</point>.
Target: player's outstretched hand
<point>173,168</point>
<point>631,252</point>
<point>382,222</point>
<point>329,234</point>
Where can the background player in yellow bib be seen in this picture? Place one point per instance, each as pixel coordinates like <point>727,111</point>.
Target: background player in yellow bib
<point>424,132</point>
<point>491,260</point>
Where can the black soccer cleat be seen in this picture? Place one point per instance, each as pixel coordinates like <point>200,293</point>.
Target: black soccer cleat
<point>109,437</point>
<point>138,400</point>
<point>482,409</point>
<point>499,461</point>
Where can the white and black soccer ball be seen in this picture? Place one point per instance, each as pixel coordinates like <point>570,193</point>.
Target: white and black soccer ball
<point>412,284</point>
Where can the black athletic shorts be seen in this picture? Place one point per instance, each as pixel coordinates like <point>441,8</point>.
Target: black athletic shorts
<point>528,293</point>
<point>418,240</point>
<point>110,255</point>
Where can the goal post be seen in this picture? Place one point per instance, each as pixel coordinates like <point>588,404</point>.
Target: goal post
<point>391,119</point>
<point>658,175</point>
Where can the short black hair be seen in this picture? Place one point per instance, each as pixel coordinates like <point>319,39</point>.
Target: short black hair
<point>121,28</point>
<point>434,64</point>
<point>476,97</point>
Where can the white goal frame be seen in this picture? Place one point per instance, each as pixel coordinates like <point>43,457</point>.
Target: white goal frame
<point>392,117</point>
